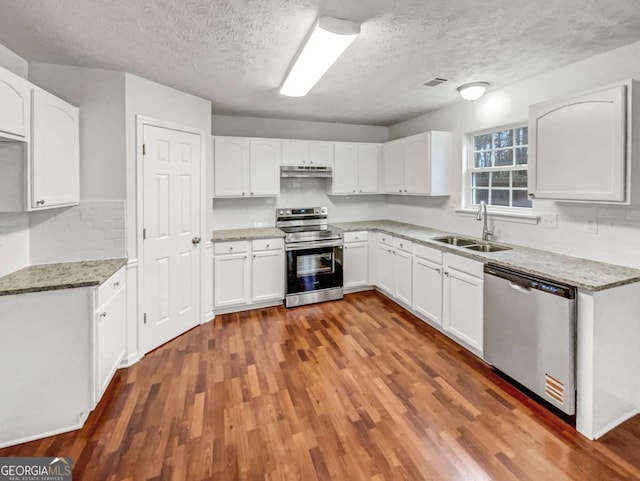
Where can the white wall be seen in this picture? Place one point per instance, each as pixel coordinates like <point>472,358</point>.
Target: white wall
<point>618,234</point>
<point>14,228</point>
<point>296,129</point>
<point>99,94</point>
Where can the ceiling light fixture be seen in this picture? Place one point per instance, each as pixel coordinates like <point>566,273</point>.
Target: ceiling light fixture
<point>329,38</point>
<point>473,91</point>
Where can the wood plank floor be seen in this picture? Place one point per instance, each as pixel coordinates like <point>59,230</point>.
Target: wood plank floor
<point>352,390</point>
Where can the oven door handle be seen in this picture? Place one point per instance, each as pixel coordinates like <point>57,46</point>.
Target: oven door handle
<point>312,245</point>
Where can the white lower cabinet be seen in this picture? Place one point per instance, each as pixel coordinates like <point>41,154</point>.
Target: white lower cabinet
<point>427,283</point>
<point>356,260</point>
<point>247,272</point>
<point>463,300</point>
<point>394,267</point>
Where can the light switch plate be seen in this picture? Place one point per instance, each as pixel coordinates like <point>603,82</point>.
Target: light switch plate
<point>550,221</point>
<point>591,225</point>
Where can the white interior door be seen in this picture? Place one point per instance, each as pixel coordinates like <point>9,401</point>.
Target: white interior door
<point>172,224</point>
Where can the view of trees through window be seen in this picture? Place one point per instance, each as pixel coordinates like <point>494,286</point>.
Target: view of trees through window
<point>498,165</point>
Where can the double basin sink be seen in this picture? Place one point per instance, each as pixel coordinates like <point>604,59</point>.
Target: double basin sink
<point>471,244</point>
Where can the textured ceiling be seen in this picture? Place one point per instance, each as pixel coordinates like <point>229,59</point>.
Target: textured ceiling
<point>236,52</point>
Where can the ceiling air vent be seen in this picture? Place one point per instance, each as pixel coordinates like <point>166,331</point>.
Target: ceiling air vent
<point>435,82</point>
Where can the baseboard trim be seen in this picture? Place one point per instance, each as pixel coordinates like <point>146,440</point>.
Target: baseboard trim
<point>130,359</point>
<point>208,317</point>
<point>33,437</point>
<point>351,290</point>
<point>248,307</point>
<point>613,424</point>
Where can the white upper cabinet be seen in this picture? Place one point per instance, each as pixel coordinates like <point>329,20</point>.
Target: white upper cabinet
<point>230,166</point>
<point>264,168</point>
<point>15,106</point>
<point>244,167</point>
<point>295,152</point>
<point>418,165</point>
<point>321,153</point>
<point>55,152</point>
<point>581,148</point>
<point>356,168</point>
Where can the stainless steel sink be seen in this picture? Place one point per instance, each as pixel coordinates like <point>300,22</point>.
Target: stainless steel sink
<point>486,248</point>
<point>455,240</point>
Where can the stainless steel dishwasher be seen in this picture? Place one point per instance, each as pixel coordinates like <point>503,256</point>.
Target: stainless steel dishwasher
<point>529,333</point>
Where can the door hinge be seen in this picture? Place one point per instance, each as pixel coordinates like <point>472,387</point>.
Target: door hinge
<point>144,317</point>
<point>144,234</point>
<point>144,149</point>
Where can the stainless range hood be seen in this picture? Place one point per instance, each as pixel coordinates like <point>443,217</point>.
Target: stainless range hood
<point>322,171</point>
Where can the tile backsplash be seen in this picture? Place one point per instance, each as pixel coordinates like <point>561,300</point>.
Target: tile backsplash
<point>90,230</point>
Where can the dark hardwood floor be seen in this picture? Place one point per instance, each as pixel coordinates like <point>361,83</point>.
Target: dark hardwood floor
<point>351,390</point>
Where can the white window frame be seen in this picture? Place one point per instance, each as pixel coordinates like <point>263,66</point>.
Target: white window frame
<point>468,169</point>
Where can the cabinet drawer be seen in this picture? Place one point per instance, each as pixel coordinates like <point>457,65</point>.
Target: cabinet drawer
<point>359,236</point>
<point>428,253</point>
<point>232,247</point>
<point>403,244</point>
<point>266,244</point>
<point>469,266</point>
<point>386,239</point>
<point>110,287</point>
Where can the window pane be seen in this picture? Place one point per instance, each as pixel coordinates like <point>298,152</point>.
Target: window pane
<point>504,138</point>
<point>522,155</point>
<point>519,178</point>
<point>522,136</point>
<point>503,157</point>
<point>521,199</point>
<point>500,179</point>
<point>482,142</point>
<point>480,195</point>
<point>499,197</point>
<point>481,179</point>
<point>481,160</point>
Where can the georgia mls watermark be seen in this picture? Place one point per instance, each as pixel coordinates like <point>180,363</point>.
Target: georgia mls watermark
<point>35,469</point>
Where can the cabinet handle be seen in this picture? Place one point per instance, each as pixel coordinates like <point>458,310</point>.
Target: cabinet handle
<point>254,256</point>
<point>355,190</point>
<point>438,270</point>
<point>40,202</point>
<point>405,191</point>
<point>195,241</point>
<point>400,191</point>
<point>251,193</point>
<point>230,248</point>
<point>103,314</point>
<point>243,193</point>
<point>446,273</point>
<point>245,257</point>
<point>360,190</point>
<point>267,246</point>
<point>532,195</point>
<point>116,284</point>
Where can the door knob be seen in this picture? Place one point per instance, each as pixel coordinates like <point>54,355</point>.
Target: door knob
<point>195,240</point>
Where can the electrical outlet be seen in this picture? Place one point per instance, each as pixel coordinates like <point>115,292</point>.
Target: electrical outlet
<point>592,225</point>
<point>550,221</point>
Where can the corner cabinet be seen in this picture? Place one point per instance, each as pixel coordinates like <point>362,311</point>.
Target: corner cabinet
<point>581,147</point>
<point>417,165</point>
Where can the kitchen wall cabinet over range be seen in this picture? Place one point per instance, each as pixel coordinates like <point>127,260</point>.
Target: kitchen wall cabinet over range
<point>417,165</point>
<point>307,152</point>
<point>246,167</point>
<point>356,260</point>
<point>356,168</point>
<point>582,148</point>
<point>39,163</point>
<point>248,272</point>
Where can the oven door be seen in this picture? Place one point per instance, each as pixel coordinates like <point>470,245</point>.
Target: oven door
<point>313,268</point>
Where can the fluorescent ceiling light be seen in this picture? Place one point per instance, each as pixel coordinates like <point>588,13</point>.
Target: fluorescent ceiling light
<point>329,38</point>
<point>473,91</point>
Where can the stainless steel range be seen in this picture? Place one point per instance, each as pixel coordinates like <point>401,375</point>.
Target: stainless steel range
<point>314,256</point>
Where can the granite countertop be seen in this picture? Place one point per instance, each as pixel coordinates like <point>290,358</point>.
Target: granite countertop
<point>582,273</point>
<point>66,275</point>
<point>246,234</point>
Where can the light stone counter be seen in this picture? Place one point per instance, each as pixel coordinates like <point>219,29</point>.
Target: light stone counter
<point>246,234</point>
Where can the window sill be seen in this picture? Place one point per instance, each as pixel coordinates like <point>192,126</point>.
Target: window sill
<point>517,217</point>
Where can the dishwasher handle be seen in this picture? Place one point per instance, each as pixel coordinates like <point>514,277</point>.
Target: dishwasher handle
<point>520,288</point>
<point>526,281</point>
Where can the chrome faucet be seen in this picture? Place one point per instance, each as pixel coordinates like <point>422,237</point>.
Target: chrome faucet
<point>482,215</point>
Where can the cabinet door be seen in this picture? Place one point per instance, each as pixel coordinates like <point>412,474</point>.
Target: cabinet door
<point>345,170</point>
<point>577,147</point>
<point>295,152</point>
<point>402,276</point>
<point>320,153</point>
<point>264,170</point>
<point>267,277</point>
<point>427,289</point>
<point>111,339</point>
<point>356,264</point>
<point>368,166</point>
<point>230,165</point>
<point>231,280</point>
<point>416,161</point>
<point>384,270</point>
<point>15,99</point>
<point>393,167</point>
<point>463,307</point>
<point>55,152</point>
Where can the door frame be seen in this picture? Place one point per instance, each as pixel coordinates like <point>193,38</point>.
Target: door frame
<point>141,122</point>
